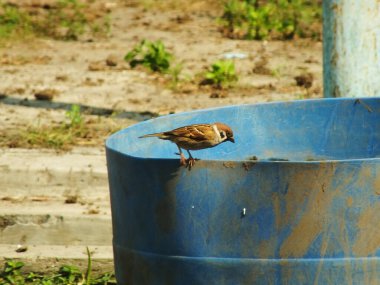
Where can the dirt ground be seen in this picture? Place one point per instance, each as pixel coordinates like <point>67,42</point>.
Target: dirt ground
<point>79,72</point>
<point>91,72</point>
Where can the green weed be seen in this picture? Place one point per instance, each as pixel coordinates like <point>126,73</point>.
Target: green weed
<point>221,74</point>
<point>282,19</point>
<point>68,20</point>
<point>75,116</point>
<point>277,72</point>
<point>75,130</point>
<point>12,20</point>
<point>155,57</point>
<point>66,275</point>
<point>174,74</point>
<point>11,273</point>
<point>58,137</point>
<point>69,16</point>
<point>152,55</point>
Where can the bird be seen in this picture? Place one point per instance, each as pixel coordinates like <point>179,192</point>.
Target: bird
<point>196,137</point>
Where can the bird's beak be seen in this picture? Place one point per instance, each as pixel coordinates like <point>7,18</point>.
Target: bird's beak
<point>231,139</point>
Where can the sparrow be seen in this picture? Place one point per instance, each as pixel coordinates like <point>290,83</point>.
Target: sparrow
<point>196,137</point>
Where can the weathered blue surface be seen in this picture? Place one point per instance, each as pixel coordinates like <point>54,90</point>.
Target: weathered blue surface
<point>312,219</point>
<point>351,48</point>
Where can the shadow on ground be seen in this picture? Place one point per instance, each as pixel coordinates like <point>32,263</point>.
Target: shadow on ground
<point>89,110</point>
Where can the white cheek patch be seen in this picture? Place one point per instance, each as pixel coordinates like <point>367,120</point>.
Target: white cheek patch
<point>217,135</point>
<point>218,138</point>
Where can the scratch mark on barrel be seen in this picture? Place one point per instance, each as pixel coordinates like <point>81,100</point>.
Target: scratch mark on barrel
<point>325,243</point>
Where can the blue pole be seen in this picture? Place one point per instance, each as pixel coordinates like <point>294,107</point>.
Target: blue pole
<point>351,48</point>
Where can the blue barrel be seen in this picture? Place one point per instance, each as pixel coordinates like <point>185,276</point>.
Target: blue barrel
<point>296,200</point>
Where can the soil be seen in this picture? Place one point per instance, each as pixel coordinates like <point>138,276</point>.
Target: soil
<point>41,78</point>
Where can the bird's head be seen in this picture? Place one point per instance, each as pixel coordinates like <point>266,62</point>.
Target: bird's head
<point>226,133</point>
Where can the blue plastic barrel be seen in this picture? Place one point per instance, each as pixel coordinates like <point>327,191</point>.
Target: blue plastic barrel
<point>306,212</point>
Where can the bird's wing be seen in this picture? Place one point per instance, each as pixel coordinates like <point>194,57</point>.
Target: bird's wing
<point>198,132</point>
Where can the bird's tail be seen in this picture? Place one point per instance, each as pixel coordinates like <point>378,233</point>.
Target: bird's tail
<point>159,135</point>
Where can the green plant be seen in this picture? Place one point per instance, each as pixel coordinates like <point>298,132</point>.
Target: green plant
<point>152,55</point>
<point>67,20</point>
<point>174,74</point>
<point>221,73</point>
<point>66,275</point>
<point>57,137</point>
<point>234,15</point>
<point>248,19</point>
<point>11,273</point>
<point>70,15</point>
<point>89,267</point>
<point>75,130</point>
<point>277,71</point>
<point>255,19</point>
<point>75,116</point>
<point>12,20</point>
<point>101,27</point>
<point>69,273</point>
<point>71,19</point>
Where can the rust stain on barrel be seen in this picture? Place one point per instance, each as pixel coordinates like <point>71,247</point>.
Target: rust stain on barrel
<point>305,188</point>
<point>368,239</point>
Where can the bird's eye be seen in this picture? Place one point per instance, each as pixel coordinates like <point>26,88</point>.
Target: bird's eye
<point>222,135</point>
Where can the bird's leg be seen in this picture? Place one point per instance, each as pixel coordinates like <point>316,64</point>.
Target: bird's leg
<point>182,159</point>
<point>191,160</point>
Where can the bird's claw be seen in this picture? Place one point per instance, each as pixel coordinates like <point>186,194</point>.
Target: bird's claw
<point>188,163</point>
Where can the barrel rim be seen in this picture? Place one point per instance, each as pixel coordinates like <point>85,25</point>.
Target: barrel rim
<point>324,161</point>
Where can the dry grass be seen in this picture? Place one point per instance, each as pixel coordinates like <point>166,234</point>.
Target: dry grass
<point>62,137</point>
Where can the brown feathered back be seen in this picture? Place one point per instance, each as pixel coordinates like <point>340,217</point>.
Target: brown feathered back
<point>194,137</point>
